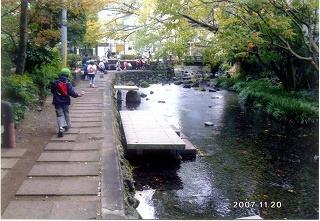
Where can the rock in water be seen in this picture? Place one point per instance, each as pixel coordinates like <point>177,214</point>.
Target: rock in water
<point>133,96</point>
<point>208,123</point>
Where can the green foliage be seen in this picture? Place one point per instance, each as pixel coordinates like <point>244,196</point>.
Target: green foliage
<point>46,72</point>
<point>20,91</point>
<point>130,83</point>
<point>144,84</point>
<point>23,91</point>
<point>6,63</point>
<point>73,60</point>
<point>225,83</point>
<point>292,107</point>
<point>225,66</point>
<point>289,107</point>
<point>42,77</point>
<point>155,81</point>
<point>38,55</point>
<point>128,57</point>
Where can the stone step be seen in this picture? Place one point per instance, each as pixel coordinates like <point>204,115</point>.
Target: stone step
<point>67,209</point>
<point>59,186</point>
<point>65,169</point>
<point>69,156</point>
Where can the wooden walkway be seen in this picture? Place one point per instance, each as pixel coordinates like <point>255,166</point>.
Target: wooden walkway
<point>145,131</point>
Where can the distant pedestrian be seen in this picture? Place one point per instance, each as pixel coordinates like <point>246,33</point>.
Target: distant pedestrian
<point>106,63</point>
<point>62,90</point>
<point>118,65</point>
<point>129,66</point>
<point>92,68</point>
<point>85,58</point>
<point>85,70</point>
<point>125,64</point>
<point>109,55</point>
<point>101,66</point>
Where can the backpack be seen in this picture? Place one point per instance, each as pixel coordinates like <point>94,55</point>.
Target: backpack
<point>62,88</point>
<point>90,69</point>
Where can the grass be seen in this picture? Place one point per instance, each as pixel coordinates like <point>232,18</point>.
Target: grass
<point>289,107</point>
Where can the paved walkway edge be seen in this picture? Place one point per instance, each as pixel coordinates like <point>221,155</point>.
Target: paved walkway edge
<point>112,199</point>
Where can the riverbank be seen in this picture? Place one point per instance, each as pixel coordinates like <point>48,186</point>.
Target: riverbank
<point>299,108</point>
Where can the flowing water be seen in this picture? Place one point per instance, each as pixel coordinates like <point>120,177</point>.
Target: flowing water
<point>247,164</point>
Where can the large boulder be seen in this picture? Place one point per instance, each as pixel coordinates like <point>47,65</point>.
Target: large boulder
<point>133,96</point>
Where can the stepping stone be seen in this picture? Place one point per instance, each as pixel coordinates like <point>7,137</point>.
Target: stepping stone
<point>87,119</point>
<point>65,169</point>
<point>85,112</point>
<point>95,145</point>
<point>59,187</point>
<point>60,146</point>
<point>12,152</point>
<point>69,210</point>
<point>3,172</point>
<point>66,137</point>
<point>70,156</point>
<point>87,124</point>
<point>90,130</point>
<point>8,163</point>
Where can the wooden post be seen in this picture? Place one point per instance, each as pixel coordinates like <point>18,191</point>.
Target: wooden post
<point>8,122</point>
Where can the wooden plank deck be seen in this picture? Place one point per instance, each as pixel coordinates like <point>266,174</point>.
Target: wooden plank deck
<point>144,130</point>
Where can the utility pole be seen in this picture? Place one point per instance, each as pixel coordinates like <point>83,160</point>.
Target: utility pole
<point>64,37</point>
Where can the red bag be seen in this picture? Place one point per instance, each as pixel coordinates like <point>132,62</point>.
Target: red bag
<point>62,88</point>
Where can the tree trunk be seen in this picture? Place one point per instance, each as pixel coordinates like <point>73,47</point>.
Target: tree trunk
<point>21,59</point>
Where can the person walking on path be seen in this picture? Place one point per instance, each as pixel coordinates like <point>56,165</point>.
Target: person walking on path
<point>85,70</point>
<point>62,90</point>
<point>92,68</point>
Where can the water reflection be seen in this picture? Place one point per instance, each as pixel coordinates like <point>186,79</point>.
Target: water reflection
<point>246,157</point>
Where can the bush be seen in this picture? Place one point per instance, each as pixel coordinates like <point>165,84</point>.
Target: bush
<point>225,83</point>
<point>130,83</point>
<point>144,84</point>
<point>20,91</point>
<point>289,107</point>
<point>43,76</point>
<point>73,60</point>
<point>128,57</point>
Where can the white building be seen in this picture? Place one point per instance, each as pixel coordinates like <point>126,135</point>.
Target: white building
<point>116,48</point>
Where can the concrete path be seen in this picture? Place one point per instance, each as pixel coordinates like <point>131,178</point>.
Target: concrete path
<point>77,176</point>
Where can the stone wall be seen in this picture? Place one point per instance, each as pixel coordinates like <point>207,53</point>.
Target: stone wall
<point>76,77</point>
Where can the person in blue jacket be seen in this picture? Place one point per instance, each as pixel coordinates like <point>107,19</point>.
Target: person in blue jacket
<point>62,102</point>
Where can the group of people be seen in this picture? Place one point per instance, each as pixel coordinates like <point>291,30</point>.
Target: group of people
<point>140,64</point>
<point>62,101</point>
<point>90,68</point>
<point>126,65</point>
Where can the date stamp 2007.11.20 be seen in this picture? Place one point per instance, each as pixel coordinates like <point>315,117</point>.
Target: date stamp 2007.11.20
<point>261,205</point>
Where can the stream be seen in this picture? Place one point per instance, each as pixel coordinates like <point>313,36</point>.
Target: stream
<point>246,164</point>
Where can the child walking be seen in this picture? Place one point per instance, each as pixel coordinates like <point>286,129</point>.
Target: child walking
<point>62,90</point>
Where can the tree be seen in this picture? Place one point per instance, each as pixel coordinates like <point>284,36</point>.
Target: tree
<point>23,38</point>
<point>281,35</point>
<point>267,32</point>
